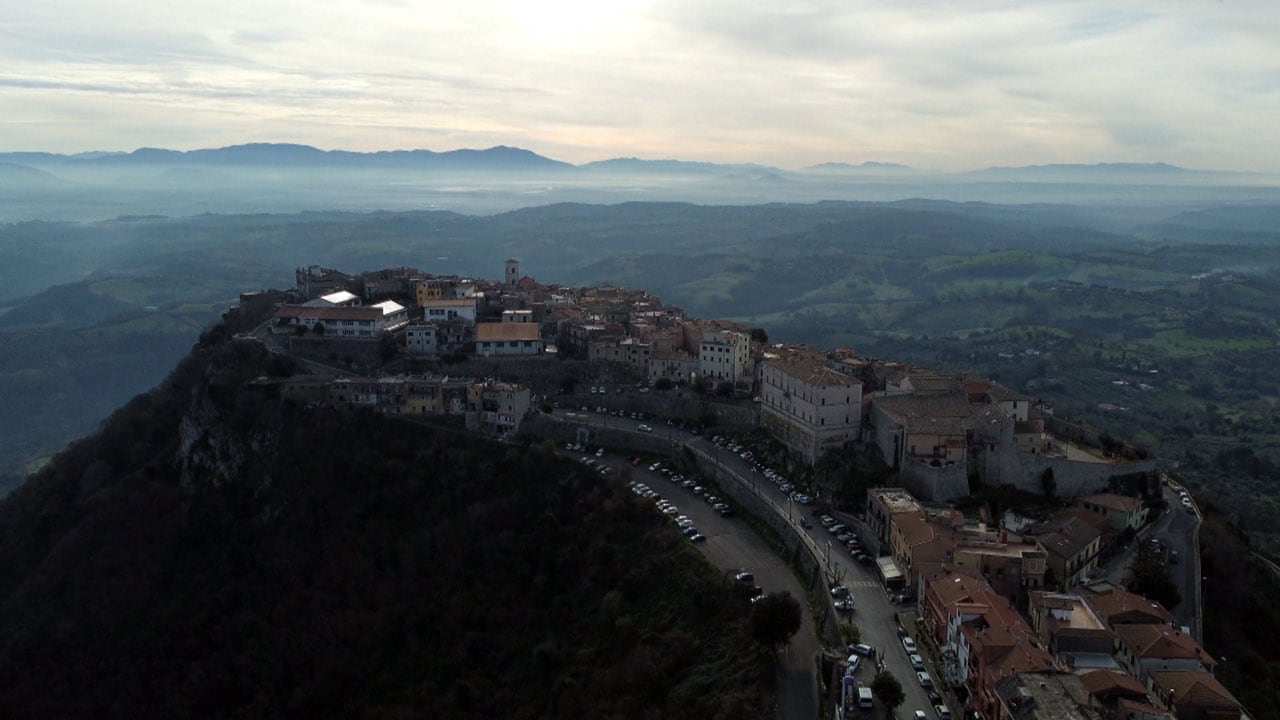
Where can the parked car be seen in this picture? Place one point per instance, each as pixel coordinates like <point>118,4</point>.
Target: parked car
<point>840,591</point>
<point>942,711</point>
<point>644,428</point>
<point>924,679</point>
<point>863,649</point>
<point>845,605</point>
<point>909,645</point>
<point>917,662</point>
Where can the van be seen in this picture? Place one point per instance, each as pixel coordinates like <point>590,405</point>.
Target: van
<point>864,697</point>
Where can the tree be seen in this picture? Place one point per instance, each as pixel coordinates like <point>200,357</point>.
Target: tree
<point>1149,577</point>
<point>888,690</point>
<point>662,383</point>
<point>1048,483</point>
<point>852,633</point>
<point>568,384</point>
<point>758,335</point>
<point>774,619</point>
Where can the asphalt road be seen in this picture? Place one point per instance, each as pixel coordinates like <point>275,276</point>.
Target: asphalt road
<point>874,614</point>
<point>732,547</point>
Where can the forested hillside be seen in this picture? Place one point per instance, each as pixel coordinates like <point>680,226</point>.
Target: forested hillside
<point>215,552</point>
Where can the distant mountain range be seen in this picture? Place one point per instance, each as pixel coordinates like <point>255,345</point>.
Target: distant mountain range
<point>518,161</point>
<point>290,155</point>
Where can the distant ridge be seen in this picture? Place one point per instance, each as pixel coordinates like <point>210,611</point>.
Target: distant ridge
<point>16,173</point>
<point>868,166</point>
<point>500,157</point>
<point>637,165</point>
<point>1159,167</point>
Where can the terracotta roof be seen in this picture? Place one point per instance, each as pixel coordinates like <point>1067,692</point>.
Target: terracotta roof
<point>811,369</point>
<point>1161,642</point>
<point>1109,683</point>
<point>1123,503</point>
<point>954,587</point>
<point>1065,537</point>
<point>1114,604</point>
<point>1000,393</point>
<point>1138,708</point>
<point>496,332</point>
<point>1194,689</point>
<point>932,383</point>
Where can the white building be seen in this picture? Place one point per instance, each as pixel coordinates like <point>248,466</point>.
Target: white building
<point>343,321</point>
<point>723,356</point>
<point>444,309</point>
<point>507,339</point>
<point>517,316</point>
<point>810,407</point>
<point>497,407</point>
<point>422,340</point>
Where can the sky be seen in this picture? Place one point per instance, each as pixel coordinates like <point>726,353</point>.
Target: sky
<point>943,85</point>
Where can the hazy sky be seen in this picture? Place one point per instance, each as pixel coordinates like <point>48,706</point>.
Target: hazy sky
<point>946,85</point>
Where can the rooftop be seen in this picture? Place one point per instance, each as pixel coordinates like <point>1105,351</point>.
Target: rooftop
<point>1046,695</point>
<point>895,500</point>
<point>1162,642</point>
<point>1110,683</point>
<point>1122,503</point>
<point>810,368</point>
<point>499,332</point>
<point>1116,605</point>
<point>1194,689</point>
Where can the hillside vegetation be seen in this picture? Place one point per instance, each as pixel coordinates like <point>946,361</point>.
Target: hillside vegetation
<point>215,552</point>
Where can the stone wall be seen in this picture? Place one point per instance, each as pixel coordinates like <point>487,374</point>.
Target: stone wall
<point>359,356</point>
<point>934,484</point>
<point>1073,478</point>
<point>676,404</point>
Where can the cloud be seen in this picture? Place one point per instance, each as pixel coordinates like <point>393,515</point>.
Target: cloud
<point>932,83</point>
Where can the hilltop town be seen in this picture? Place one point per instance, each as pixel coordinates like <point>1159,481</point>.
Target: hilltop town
<point>409,342</point>
<point>1020,616</point>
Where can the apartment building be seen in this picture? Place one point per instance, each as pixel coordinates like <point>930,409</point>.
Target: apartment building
<point>807,405</point>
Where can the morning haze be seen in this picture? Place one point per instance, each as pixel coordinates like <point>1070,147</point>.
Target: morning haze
<point>355,354</point>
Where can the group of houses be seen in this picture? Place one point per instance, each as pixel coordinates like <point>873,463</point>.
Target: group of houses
<point>1020,625</point>
<point>939,431</point>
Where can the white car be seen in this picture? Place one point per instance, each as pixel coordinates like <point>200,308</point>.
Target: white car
<point>917,662</point>
<point>909,645</point>
<point>925,681</point>
<point>644,428</point>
